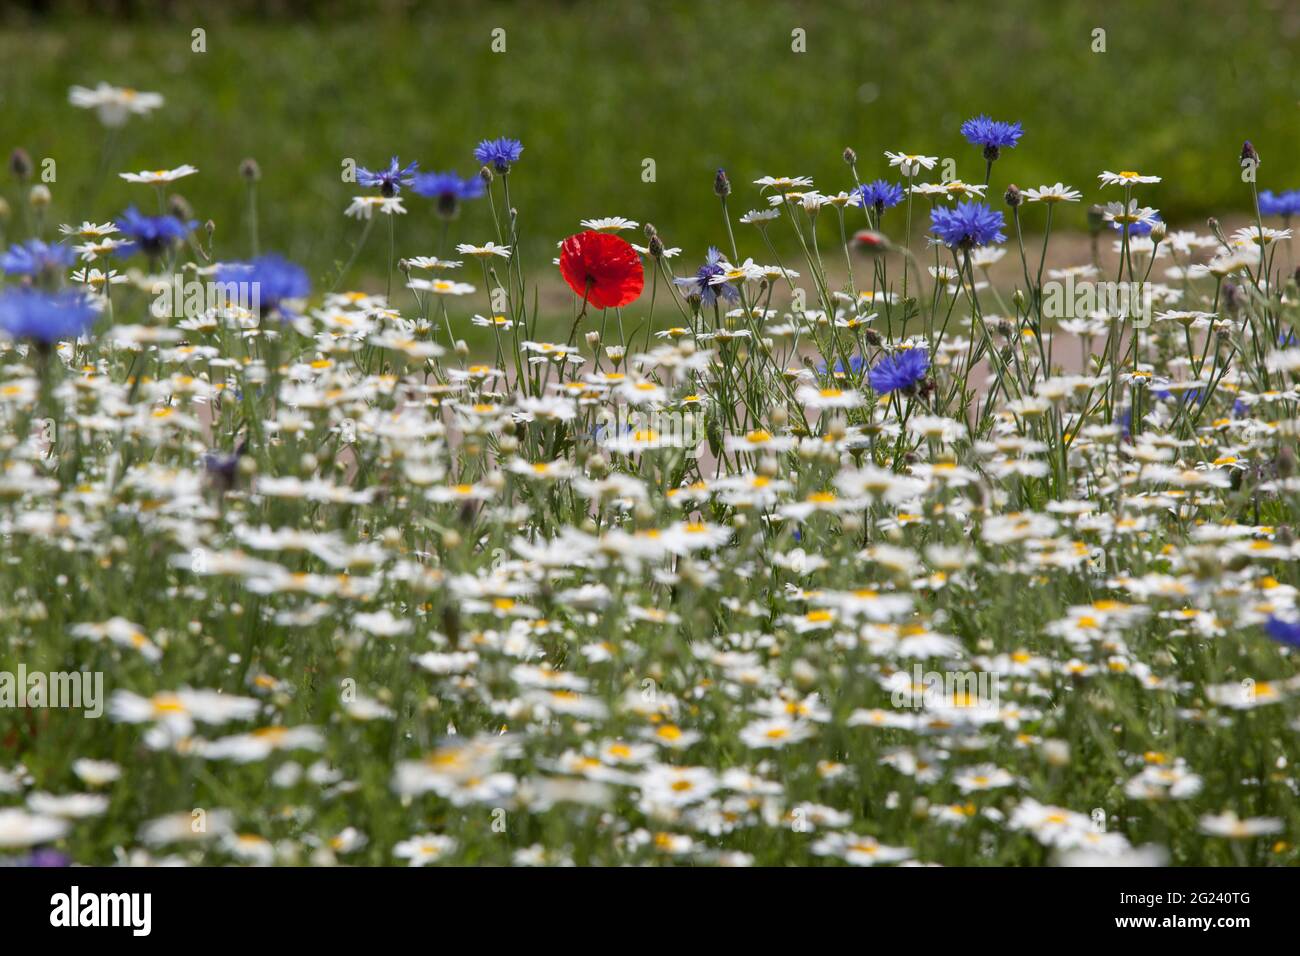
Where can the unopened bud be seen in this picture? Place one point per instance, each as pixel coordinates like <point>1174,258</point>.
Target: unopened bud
<point>1013,196</point>
<point>20,164</point>
<point>250,171</point>
<point>721,184</point>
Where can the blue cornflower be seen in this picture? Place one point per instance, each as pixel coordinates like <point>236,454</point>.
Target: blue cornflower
<point>273,279</point>
<point>903,370</point>
<point>35,258</point>
<point>1284,631</point>
<point>855,366</point>
<point>966,225</point>
<point>700,284</point>
<point>388,181</point>
<point>880,195</point>
<point>1280,204</point>
<point>500,153</point>
<point>151,235</point>
<point>993,135</point>
<point>45,317</point>
<point>448,189</point>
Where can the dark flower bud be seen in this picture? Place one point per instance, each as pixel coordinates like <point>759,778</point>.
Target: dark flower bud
<point>649,230</point>
<point>20,164</point>
<point>656,246</point>
<point>1285,461</point>
<point>250,171</point>
<point>850,157</point>
<point>1096,219</point>
<point>1013,196</point>
<point>1249,154</point>
<point>486,175</point>
<point>179,207</point>
<point>721,184</point>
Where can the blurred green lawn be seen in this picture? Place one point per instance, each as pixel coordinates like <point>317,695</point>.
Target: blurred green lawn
<point>594,88</point>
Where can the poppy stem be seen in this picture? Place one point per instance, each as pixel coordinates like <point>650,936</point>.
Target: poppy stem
<point>582,314</point>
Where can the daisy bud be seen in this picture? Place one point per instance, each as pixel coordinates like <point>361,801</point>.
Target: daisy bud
<point>462,349</point>
<point>1249,154</point>
<point>180,208</point>
<point>1285,462</point>
<point>1012,196</point>
<point>1018,299</point>
<point>250,171</point>
<point>593,339</point>
<point>20,164</point>
<point>597,466</point>
<point>780,418</point>
<point>850,157</point>
<point>451,538</point>
<point>39,197</point>
<point>721,184</point>
<point>1056,752</point>
<point>768,467</point>
<point>1096,219</point>
<point>404,266</point>
<point>307,463</point>
<point>1158,231</point>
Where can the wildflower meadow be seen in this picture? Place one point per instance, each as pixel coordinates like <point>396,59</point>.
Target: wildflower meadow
<point>896,524</point>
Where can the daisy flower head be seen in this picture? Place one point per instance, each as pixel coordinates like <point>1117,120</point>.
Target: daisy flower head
<point>901,371</point>
<point>1137,219</point>
<point>114,105</point>
<point>159,176</point>
<point>43,317</point>
<point>1052,194</point>
<point>966,225</point>
<point>993,135</point>
<point>609,224</point>
<point>909,164</point>
<point>500,153</point>
<point>602,268</point>
<point>1125,177</point>
<point>388,181</point>
<point>363,207</point>
<point>448,190</point>
<point>878,196</point>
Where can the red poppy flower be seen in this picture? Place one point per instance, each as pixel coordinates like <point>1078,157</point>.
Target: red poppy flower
<point>603,268</point>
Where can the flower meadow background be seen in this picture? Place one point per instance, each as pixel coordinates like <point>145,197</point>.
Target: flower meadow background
<point>503,527</point>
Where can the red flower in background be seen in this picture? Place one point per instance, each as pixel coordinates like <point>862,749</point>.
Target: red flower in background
<point>602,268</point>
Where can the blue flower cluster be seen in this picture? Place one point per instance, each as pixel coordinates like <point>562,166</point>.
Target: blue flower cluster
<point>388,181</point>
<point>1280,204</point>
<point>34,258</point>
<point>993,135</point>
<point>879,195</point>
<point>900,371</point>
<point>275,279</point>
<point>500,154</point>
<point>967,225</point>
<point>152,235</point>
<point>45,317</point>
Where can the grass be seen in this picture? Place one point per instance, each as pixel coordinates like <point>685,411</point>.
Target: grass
<point>594,89</point>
